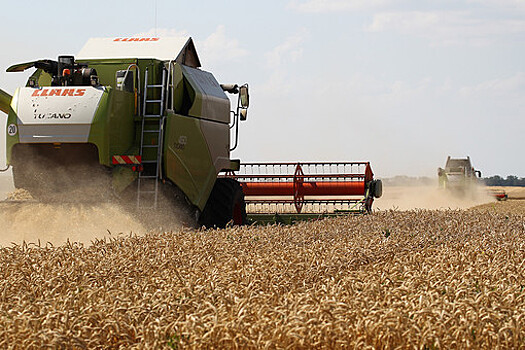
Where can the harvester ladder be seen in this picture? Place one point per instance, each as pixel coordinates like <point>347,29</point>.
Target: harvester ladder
<point>152,123</point>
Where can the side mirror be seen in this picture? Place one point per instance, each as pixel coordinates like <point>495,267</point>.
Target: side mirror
<point>244,114</point>
<point>244,96</point>
<point>230,88</point>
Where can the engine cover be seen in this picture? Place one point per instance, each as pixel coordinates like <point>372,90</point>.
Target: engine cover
<point>56,114</point>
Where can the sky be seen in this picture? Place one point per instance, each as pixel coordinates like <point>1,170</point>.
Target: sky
<point>402,84</point>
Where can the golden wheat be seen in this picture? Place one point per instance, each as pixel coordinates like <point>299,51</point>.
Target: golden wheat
<point>507,207</point>
<point>417,279</point>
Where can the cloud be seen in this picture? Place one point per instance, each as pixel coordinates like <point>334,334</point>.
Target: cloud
<point>164,32</point>
<point>330,6</point>
<point>217,47</point>
<point>278,60</point>
<point>326,6</point>
<point>446,28</point>
<point>508,87</point>
<point>287,52</point>
<point>500,4</point>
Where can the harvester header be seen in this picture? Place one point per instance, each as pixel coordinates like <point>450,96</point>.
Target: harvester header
<point>309,189</point>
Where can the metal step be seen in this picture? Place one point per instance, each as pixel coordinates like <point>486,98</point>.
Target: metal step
<point>153,101</point>
<point>150,131</point>
<point>147,177</point>
<point>150,146</point>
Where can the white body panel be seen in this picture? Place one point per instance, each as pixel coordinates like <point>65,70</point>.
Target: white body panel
<point>165,48</point>
<point>56,114</point>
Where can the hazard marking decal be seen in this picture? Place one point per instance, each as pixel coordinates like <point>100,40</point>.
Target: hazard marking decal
<point>127,159</point>
<point>12,130</point>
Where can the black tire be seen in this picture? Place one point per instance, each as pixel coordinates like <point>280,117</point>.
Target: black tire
<point>377,188</point>
<point>225,205</point>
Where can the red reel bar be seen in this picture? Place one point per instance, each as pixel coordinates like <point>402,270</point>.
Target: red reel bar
<point>317,188</point>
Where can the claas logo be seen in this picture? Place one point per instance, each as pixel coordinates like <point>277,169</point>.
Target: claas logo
<point>59,92</point>
<point>136,39</point>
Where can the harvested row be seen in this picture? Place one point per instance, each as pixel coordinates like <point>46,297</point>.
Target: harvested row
<point>508,207</point>
<point>435,279</point>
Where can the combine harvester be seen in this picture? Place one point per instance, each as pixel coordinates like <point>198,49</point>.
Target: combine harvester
<point>136,118</point>
<point>461,179</point>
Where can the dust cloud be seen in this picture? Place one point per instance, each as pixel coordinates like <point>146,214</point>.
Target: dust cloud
<point>406,197</point>
<point>25,219</point>
<point>57,223</point>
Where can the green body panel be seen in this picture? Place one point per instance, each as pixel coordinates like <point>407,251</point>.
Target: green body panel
<point>196,107</point>
<point>187,159</point>
<point>40,78</point>
<point>99,134</point>
<point>178,88</point>
<point>10,141</point>
<point>113,127</point>
<point>107,68</point>
<point>5,101</point>
<point>122,177</point>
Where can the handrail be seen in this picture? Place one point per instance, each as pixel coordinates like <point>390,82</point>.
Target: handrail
<point>133,65</point>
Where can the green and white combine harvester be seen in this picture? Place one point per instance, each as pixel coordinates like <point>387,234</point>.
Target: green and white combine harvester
<point>134,118</point>
<point>461,179</point>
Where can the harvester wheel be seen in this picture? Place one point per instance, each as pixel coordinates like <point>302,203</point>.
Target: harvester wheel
<point>377,188</point>
<point>225,205</point>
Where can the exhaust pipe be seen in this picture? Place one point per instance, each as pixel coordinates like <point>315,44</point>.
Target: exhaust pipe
<point>5,101</point>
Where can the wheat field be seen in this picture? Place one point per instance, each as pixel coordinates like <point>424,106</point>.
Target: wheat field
<point>396,279</point>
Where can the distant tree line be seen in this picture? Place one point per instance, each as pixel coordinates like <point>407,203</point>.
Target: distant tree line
<point>511,180</point>
<point>496,180</point>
